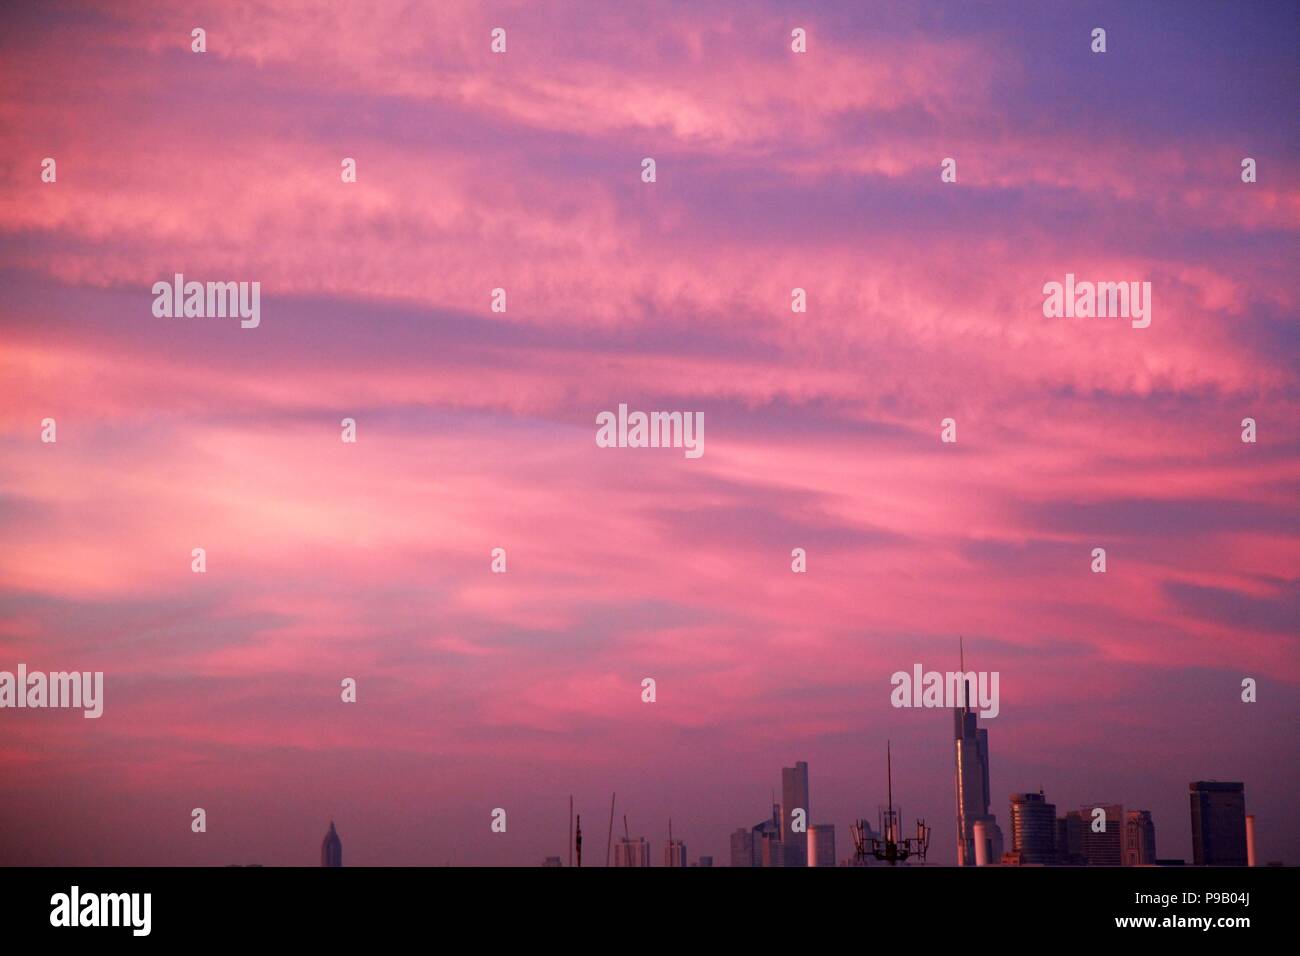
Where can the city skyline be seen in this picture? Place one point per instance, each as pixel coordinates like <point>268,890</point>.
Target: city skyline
<point>362,538</point>
<point>1038,838</point>
<point>1095,834</point>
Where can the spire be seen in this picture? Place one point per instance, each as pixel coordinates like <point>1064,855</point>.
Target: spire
<point>331,850</point>
<point>965,688</point>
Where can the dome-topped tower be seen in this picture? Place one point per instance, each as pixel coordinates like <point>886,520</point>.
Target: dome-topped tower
<point>331,848</point>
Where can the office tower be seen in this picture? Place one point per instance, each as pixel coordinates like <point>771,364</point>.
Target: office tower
<point>769,850</point>
<point>742,847</point>
<point>1218,823</point>
<point>1104,847</point>
<point>972,777</point>
<point>705,861</point>
<point>1139,839</point>
<point>1033,828</point>
<point>331,848</point>
<point>1069,839</point>
<point>794,796</point>
<point>553,861</point>
<point>629,852</point>
<point>1250,839</point>
<point>821,845</point>
<point>675,853</point>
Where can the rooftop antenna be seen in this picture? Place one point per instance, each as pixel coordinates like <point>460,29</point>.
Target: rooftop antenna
<point>887,846</point>
<point>889,779</point>
<point>578,841</point>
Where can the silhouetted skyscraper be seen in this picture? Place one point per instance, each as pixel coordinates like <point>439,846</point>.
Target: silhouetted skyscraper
<point>1139,839</point>
<point>972,776</point>
<point>1033,828</point>
<point>1218,823</point>
<point>765,840</point>
<point>742,848</point>
<point>1103,847</point>
<point>331,848</point>
<point>1069,839</point>
<point>794,796</point>
<point>675,853</point>
<point>768,849</point>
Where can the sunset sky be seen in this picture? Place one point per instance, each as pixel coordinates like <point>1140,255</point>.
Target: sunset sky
<point>475,430</point>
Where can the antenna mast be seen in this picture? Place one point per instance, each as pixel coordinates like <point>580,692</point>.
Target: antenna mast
<point>609,840</point>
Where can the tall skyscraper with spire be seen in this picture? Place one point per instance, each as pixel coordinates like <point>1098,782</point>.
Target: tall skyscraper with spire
<point>972,777</point>
<point>331,848</point>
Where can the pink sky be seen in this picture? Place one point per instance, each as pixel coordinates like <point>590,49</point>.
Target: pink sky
<point>476,430</point>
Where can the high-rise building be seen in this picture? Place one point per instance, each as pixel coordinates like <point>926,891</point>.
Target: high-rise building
<point>1103,846</point>
<point>705,861</point>
<point>794,797</point>
<point>742,848</point>
<point>769,848</point>
<point>1069,839</point>
<point>821,845</point>
<point>1218,823</point>
<point>972,777</point>
<point>675,853</point>
<point>629,852</point>
<point>1139,839</point>
<point>1033,828</point>
<point>552,861</point>
<point>331,848</point>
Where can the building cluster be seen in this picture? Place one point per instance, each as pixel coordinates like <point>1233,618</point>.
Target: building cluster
<point>1096,834</point>
<point>787,838</point>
